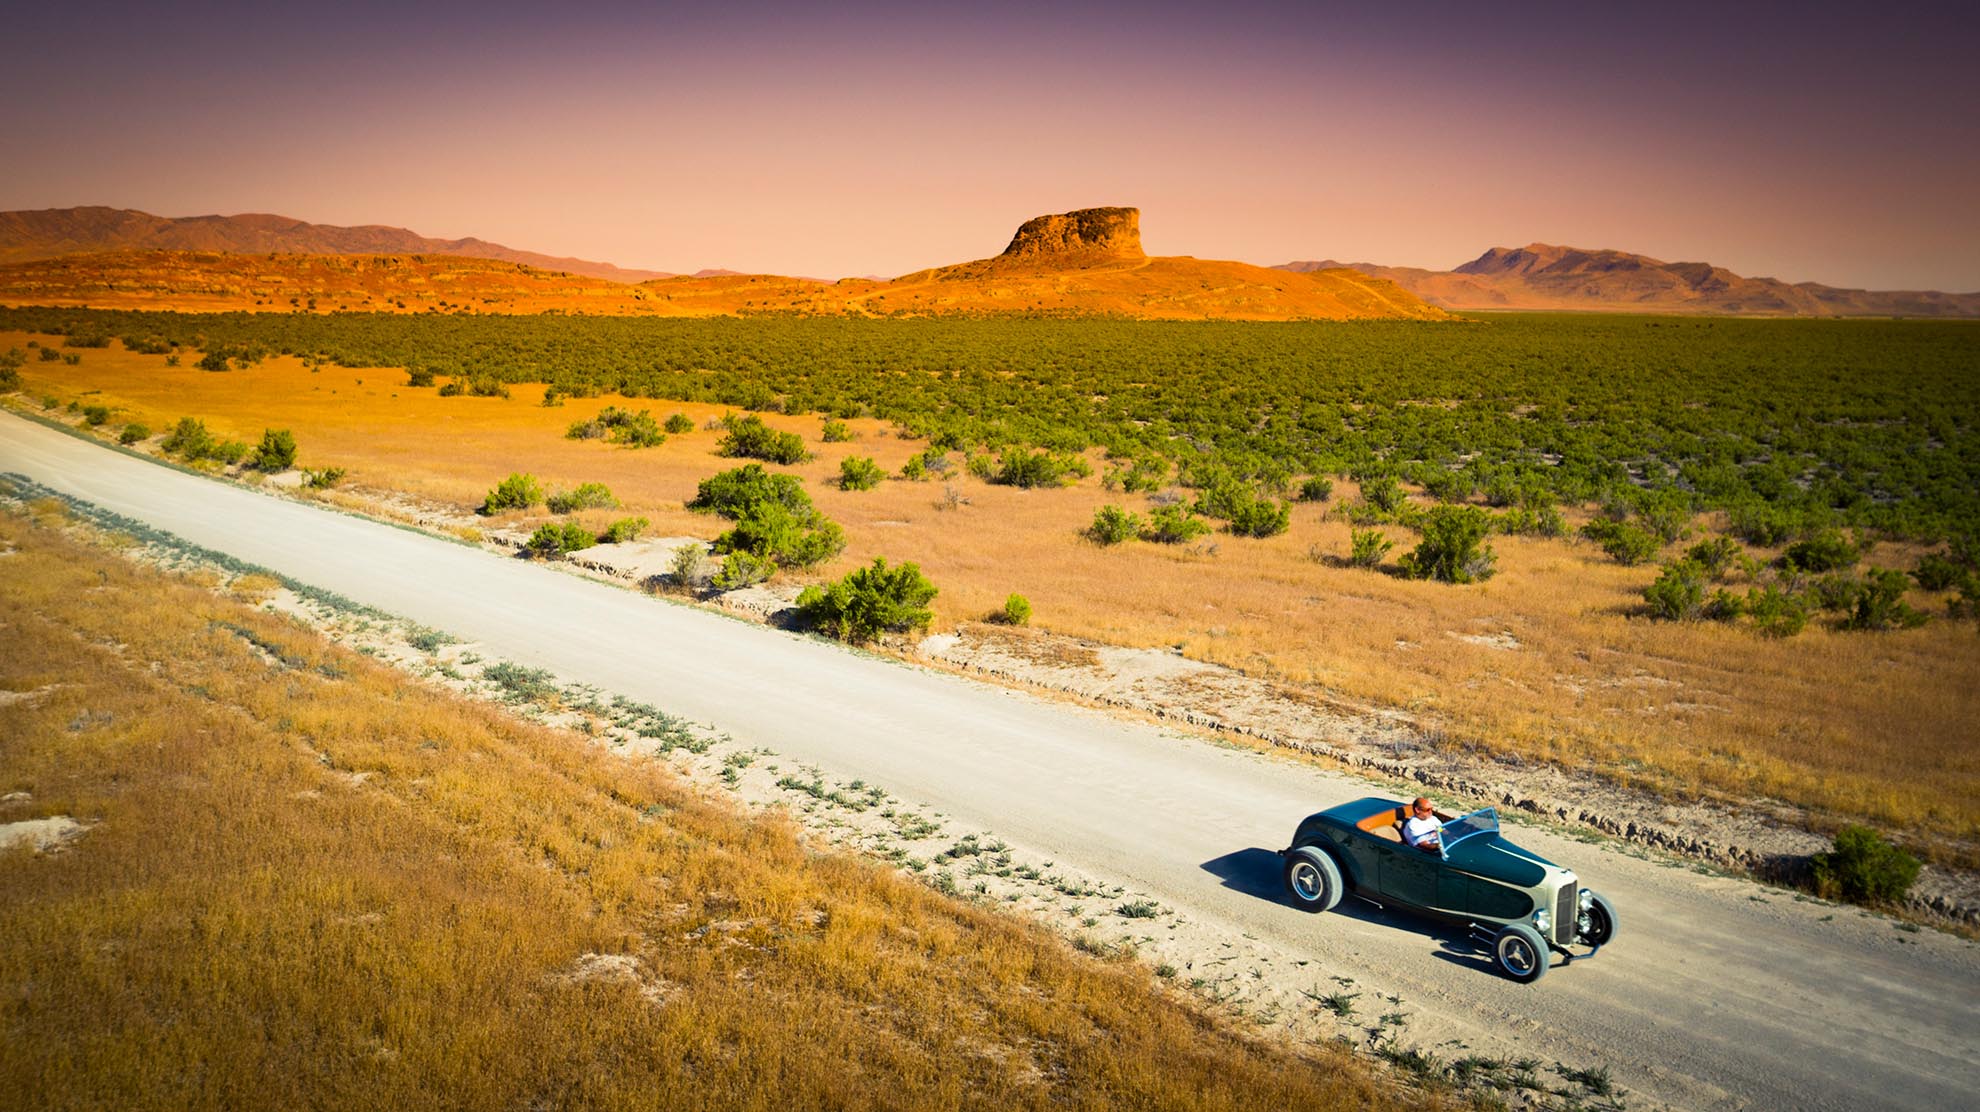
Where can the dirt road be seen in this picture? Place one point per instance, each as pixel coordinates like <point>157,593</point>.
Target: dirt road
<point>1717,993</point>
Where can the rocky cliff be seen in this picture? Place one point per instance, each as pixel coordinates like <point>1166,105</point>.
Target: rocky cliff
<point>1096,231</point>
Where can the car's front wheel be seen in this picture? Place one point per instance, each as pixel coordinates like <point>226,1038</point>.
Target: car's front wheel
<point>1520,953</point>
<point>1597,925</point>
<point>1312,880</point>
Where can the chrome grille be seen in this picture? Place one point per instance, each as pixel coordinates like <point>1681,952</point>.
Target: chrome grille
<point>1567,909</point>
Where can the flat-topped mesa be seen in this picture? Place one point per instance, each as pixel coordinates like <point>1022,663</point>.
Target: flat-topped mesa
<point>1096,231</point>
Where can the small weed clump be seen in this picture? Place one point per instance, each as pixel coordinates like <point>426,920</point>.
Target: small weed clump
<point>1112,525</point>
<point>624,531</point>
<point>1016,611</point>
<point>322,479</point>
<point>133,433</point>
<point>1173,523</point>
<point>587,496</point>
<point>859,473</point>
<point>1366,547</point>
<point>835,432</point>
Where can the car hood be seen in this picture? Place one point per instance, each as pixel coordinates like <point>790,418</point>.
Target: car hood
<point>1492,857</point>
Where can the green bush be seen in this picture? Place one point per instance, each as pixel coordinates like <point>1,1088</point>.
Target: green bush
<point>50,355</point>
<point>215,361</point>
<point>419,376</point>
<point>1678,595</point>
<point>323,479</point>
<point>96,415</point>
<point>624,531</point>
<point>1112,525</point>
<point>1384,493</point>
<point>1628,544</point>
<point>835,432</point>
<point>1864,868</point>
<point>587,496</point>
<point>1016,611</point>
<point>1827,550</point>
<point>1716,555</point>
<point>750,438</point>
<point>1776,613</point>
<point>519,491</point>
<point>590,428</point>
<point>689,565</point>
<point>678,423</point>
<point>1027,470</point>
<point>1666,513</point>
<point>741,569</point>
<point>559,539</point>
<point>1835,591</point>
<point>1453,548</point>
<point>1366,547</point>
<point>277,451</point>
<point>1879,603</point>
<point>1319,488</point>
<point>133,433</point>
<point>730,493</point>
<point>1173,524</point>
<point>1260,517</point>
<point>189,439</point>
<point>1937,572</point>
<point>1723,606</point>
<point>859,473</point>
<point>869,602</point>
<point>791,538</point>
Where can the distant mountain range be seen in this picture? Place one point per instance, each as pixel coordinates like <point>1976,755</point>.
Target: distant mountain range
<point>1089,261</point>
<point>1543,276</point>
<point>26,236</point>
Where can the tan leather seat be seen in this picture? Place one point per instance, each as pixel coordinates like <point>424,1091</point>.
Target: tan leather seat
<point>1385,824</point>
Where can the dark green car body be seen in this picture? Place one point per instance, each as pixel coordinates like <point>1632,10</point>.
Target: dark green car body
<point>1478,876</point>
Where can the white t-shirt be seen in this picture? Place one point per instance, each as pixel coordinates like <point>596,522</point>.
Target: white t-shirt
<point>1415,830</point>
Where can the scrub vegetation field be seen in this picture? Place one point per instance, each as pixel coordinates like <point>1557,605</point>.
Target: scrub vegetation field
<point>1726,558</point>
<point>296,879</point>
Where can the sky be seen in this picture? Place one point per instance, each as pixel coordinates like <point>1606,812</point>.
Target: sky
<point>1809,142</point>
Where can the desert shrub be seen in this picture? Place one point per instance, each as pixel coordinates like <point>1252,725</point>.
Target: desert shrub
<point>133,433</point>
<point>559,538</point>
<point>486,386</point>
<point>10,379</point>
<point>1722,606</point>
<point>982,467</point>
<point>1112,525</point>
<point>1027,470</point>
<point>869,602</point>
<point>50,355</point>
<point>1716,556</point>
<point>915,469</point>
<point>1627,543</point>
<point>638,431</point>
<point>750,438</point>
<point>1938,572</point>
<point>1827,550</point>
<point>1260,517</point>
<point>1776,613</point>
<point>86,340</point>
<point>189,439</point>
<point>1016,611</point>
<point>419,376</point>
<point>519,491</point>
<point>859,473</point>
<point>1383,492</point>
<point>1878,603</point>
<point>730,493</point>
<point>453,389</point>
<point>678,423</point>
<point>277,451</point>
<point>624,531</point>
<point>1446,485</point>
<point>1366,547</point>
<point>1319,488</point>
<point>1678,595</point>
<point>741,569</point>
<point>1665,512</point>
<point>689,566</point>
<point>586,496</point>
<point>1864,868</point>
<point>1453,548</point>
<point>323,479</point>
<point>791,538</point>
<point>96,415</point>
<point>590,428</point>
<point>1762,525</point>
<point>1139,475</point>
<point>1173,523</point>
<point>229,451</point>
<point>215,361</point>
<point>835,432</point>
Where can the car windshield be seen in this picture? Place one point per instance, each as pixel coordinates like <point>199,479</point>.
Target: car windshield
<point>1470,826</point>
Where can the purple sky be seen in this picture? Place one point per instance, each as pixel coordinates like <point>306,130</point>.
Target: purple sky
<point>1837,144</point>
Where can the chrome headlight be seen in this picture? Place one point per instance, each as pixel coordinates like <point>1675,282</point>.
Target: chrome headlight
<point>1586,899</point>
<point>1543,922</point>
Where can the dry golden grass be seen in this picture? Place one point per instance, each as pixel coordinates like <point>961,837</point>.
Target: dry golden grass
<point>307,882</point>
<point>1878,726</point>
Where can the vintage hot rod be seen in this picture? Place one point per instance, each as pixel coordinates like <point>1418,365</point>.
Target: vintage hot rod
<point>1477,876</point>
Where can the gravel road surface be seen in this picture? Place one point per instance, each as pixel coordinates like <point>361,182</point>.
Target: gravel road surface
<point>1717,994</point>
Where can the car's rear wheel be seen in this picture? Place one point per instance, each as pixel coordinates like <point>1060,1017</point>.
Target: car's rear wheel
<point>1597,925</point>
<point>1520,953</point>
<point>1312,880</point>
